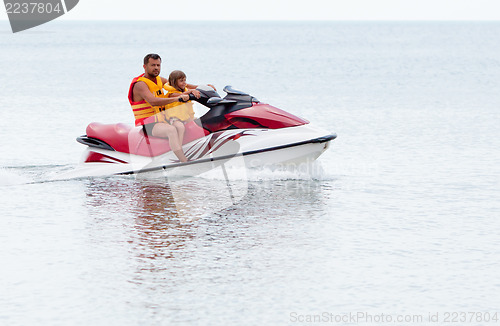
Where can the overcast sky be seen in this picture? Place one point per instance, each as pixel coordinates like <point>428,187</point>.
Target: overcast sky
<point>284,10</point>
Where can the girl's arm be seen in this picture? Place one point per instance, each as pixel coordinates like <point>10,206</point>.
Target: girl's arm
<point>189,91</point>
<point>175,94</point>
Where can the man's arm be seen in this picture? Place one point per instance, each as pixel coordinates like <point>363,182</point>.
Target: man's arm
<point>190,86</point>
<point>141,92</point>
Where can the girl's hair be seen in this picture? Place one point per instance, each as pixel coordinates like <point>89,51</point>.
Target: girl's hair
<point>174,77</point>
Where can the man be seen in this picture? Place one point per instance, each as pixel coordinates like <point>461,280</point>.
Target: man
<point>148,101</point>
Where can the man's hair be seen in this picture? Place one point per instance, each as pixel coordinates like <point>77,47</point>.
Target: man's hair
<point>153,56</point>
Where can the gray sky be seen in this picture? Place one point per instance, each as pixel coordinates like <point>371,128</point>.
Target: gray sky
<point>284,10</point>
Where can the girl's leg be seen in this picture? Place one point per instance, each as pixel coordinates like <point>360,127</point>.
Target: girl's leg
<point>164,130</point>
<point>181,129</point>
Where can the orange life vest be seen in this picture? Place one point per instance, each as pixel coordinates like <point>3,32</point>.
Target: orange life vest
<point>144,112</point>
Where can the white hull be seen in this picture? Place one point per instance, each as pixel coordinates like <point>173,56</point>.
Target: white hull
<point>250,147</point>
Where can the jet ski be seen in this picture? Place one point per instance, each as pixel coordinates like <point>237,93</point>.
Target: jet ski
<point>236,127</point>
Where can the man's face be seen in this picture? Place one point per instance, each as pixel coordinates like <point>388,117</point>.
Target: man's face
<point>153,67</point>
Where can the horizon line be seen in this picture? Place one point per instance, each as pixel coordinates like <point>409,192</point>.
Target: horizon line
<point>61,19</point>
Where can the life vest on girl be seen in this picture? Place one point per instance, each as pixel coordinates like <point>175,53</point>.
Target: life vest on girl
<point>144,112</point>
<point>178,110</point>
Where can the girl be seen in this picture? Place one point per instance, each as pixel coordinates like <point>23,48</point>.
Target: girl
<point>178,113</point>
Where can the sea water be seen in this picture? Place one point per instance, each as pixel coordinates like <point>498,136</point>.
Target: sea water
<point>399,217</point>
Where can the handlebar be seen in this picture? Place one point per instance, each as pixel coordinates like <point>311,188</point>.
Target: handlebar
<point>191,97</point>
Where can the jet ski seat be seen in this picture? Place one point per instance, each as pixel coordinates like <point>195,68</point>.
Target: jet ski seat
<point>127,139</point>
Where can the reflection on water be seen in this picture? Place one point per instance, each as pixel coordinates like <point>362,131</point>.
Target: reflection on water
<point>150,255</point>
<point>147,210</point>
<point>161,209</point>
<point>158,218</point>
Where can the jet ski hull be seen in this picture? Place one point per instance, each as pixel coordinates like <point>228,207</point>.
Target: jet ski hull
<point>255,147</point>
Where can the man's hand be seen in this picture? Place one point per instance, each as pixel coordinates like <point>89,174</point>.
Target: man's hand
<point>184,98</point>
